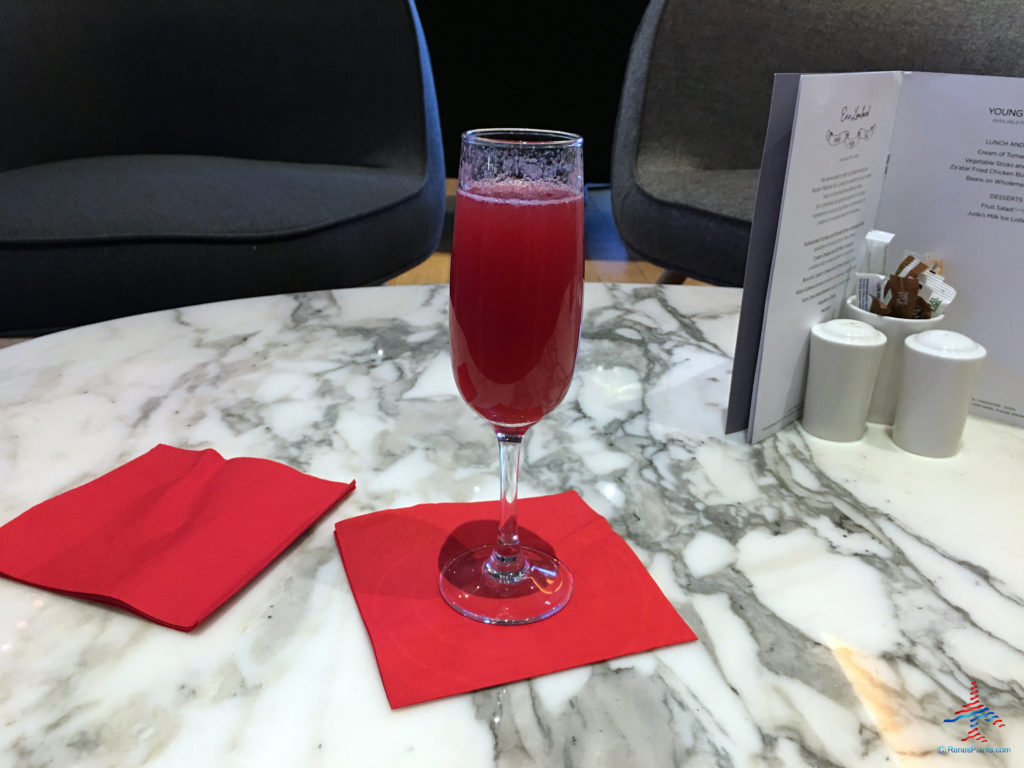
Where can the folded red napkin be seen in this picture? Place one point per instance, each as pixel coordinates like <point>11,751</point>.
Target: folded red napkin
<point>425,650</point>
<point>170,535</point>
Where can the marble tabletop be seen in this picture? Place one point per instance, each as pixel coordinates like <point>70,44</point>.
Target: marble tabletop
<point>845,595</point>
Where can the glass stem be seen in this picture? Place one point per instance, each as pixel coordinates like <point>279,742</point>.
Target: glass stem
<point>506,562</point>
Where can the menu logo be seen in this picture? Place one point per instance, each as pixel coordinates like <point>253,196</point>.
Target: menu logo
<point>860,112</point>
<point>1006,111</point>
<point>850,138</point>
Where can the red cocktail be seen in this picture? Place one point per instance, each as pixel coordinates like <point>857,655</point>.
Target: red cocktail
<point>516,300</point>
<point>516,297</point>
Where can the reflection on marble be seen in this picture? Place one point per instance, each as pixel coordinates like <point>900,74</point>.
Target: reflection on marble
<point>845,596</point>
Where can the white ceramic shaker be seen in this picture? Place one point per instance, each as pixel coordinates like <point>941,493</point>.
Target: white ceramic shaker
<point>843,363</point>
<point>939,371</point>
<point>882,409</point>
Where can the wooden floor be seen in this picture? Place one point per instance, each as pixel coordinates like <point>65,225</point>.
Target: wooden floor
<point>435,270</point>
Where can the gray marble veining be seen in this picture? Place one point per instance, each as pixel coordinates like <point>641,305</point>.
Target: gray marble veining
<point>845,595</point>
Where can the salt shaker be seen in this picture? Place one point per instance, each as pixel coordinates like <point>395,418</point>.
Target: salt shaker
<point>939,370</point>
<point>882,408</point>
<point>842,367</point>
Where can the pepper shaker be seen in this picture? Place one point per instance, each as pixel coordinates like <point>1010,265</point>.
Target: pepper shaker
<point>843,363</point>
<point>939,371</point>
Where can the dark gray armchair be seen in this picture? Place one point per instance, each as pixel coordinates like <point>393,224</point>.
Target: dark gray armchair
<point>697,90</point>
<point>159,154</point>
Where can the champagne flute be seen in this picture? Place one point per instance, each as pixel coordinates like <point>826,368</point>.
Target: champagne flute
<point>516,293</point>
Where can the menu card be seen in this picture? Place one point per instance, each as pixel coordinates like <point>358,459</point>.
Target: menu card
<point>936,159</point>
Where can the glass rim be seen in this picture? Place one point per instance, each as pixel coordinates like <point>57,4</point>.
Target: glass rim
<point>534,137</point>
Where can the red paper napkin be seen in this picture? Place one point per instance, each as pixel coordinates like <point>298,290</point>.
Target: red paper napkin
<point>170,535</point>
<point>425,650</point>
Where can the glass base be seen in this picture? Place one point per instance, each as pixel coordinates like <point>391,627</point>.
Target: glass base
<point>540,589</point>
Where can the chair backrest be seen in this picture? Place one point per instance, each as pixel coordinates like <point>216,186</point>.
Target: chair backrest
<point>705,67</point>
<point>257,79</point>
